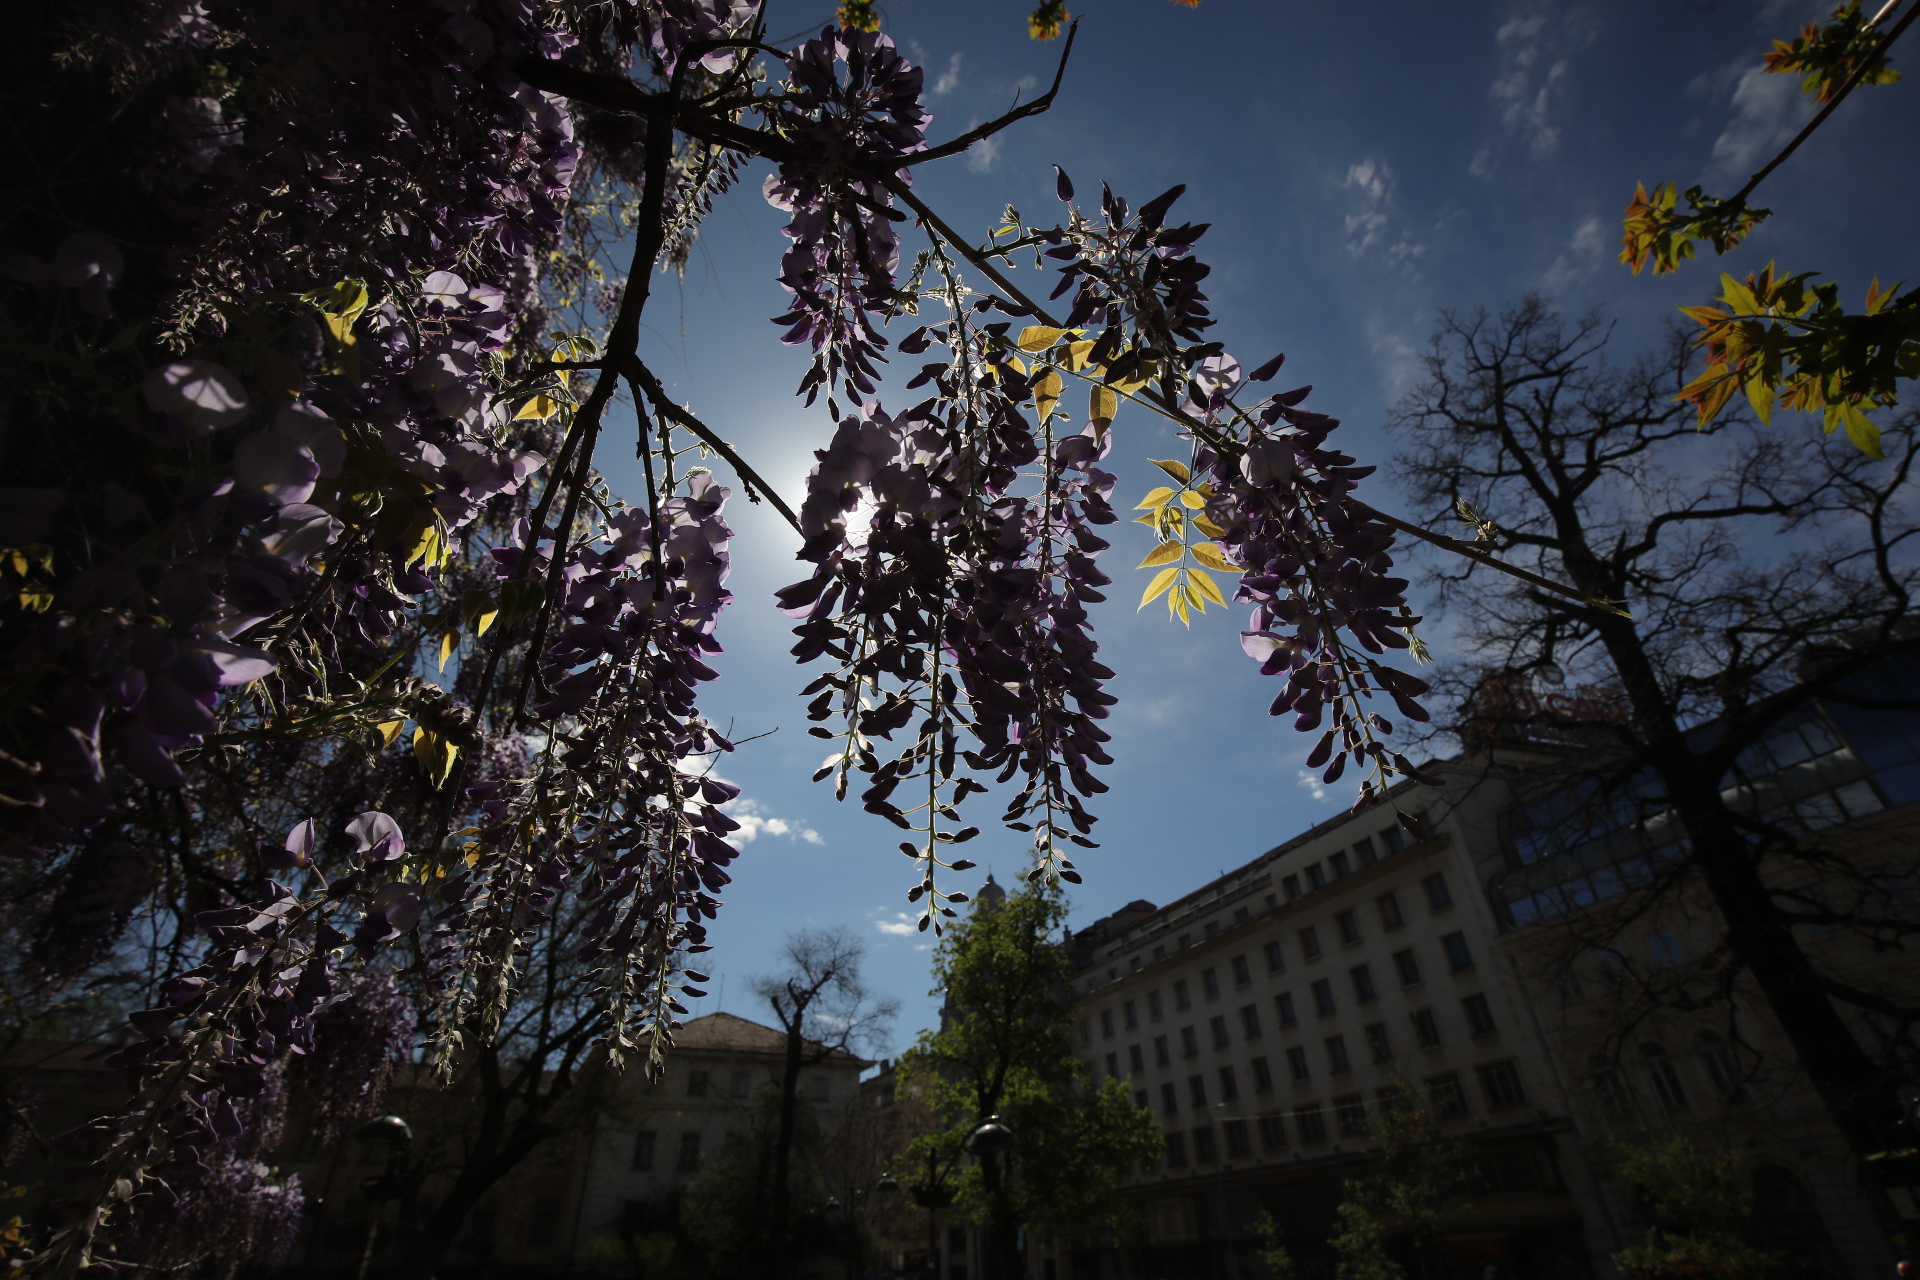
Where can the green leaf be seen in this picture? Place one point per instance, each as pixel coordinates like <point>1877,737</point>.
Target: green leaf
<point>1102,404</point>
<point>1860,429</point>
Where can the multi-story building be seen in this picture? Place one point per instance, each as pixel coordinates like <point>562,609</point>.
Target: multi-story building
<point>1263,1014</point>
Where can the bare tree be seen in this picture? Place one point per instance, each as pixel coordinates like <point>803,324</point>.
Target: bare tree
<point>1735,578</point>
<point>824,1008</point>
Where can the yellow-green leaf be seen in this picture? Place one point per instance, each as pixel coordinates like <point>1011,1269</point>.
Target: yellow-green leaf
<point>1046,394</point>
<point>1155,499</point>
<point>1760,395</point>
<point>448,643</point>
<point>435,754</point>
<point>1208,527</point>
<point>1165,553</point>
<point>390,730</point>
<point>1177,605</point>
<point>1161,581</point>
<point>540,407</point>
<point>1203,582</point>
<point>1178,470</point>
<point>1191,500</point>
<point>1860,428</point>
<point>1038,337</point>
<point>1077,354</point>
<point>479,610</point>
<point>1102,404</point>
<point>1209,554</point>
<point>1738,296</point>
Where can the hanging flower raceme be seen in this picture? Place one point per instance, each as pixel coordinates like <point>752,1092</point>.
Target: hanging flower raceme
<point>849,130</point>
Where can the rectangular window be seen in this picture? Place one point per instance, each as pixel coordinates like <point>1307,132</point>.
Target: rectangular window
<point>1219,1026</point>
<point>1262,1075</point>
<point>1350,1113</point>
<point>1275,962</point>
<point>1363,989</point>
<point>1238,1145</point>
<point>1316,877</point>
<point>1501,1083</point>
<point>1458,955</point>
<point>1437,895</point>
<point>1426,1029</point>
<point>1342,868</point>
<point>697,1084</point>
<point>1203,1148</point>
<point>1136,1059</point>
<point>1390,914</point>
<point>1242,971</point>
<point>1392,841</point>
<point>1337,1055</point>
<point>1297,1062</point>
<point>1160,1054</point>
<point>1169,1099</point>
<point>1446,1097</point>
<point>1273,1132</point>
<point>1310,941</point>
<point>738,1084</point>
<point>1176,1151</point>
<point>1140,1099</point>
<point>1133,1014</point>
<point>644,1144</point>
<point>1180,997</point>
<point>1159,953</point>
<point>1086,1031</point>
<point>1292,885</point>
<point>1363,851</point>
<point>1378,1046</point>
<point>820,1087</point>
<point>1242,914</point>
<point>1213,927</point>
<point>1349,925</point>
<point>1189,1042</point>
<point>1229,1085</point>
<point>1197,1092</point>
<point>1106,1024</point>
<point>1283,1006</point>
<point>1479,1015</point>
<point>1407,967</point>
<point>1323,996</point>
<point>1153,1002</point>
<point>1210,983</point>
<point>1250,1022</point>
<point>689,1161</point>
<point>1186,940</point>
<point>1113,1066</point>
<point>1310,1123</point>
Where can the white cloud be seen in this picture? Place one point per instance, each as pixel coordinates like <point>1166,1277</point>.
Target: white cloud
<point>1371,223</point>
<point>1310,780</point>
<point>903,925</point>
<point>1767,110</point>
<point>984,154</point>
<point>754,824</point>
<point>1586,250</point>
<point>948,80</point>
<point>1532,75</point>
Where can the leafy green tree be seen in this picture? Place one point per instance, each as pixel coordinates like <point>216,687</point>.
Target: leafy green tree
<point>1003,1050</point>
<point>1417,1182</point>
<point>1704,1223</point>
<point>727,1211</point>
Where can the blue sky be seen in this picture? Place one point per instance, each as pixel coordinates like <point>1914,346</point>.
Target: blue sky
<point>1362,166</point>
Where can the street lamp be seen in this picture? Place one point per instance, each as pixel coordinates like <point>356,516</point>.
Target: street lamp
<point>883,1185</point>
<point>392,1133</point>
<point>989,1141</point>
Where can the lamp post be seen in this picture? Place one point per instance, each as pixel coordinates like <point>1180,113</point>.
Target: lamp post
<point>1220,1183</point>
<point>990,1141</point>
<point>932,1195</point>
<point>392,1133</point>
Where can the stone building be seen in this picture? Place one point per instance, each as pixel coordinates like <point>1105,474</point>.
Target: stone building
<point>1498,968</point>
